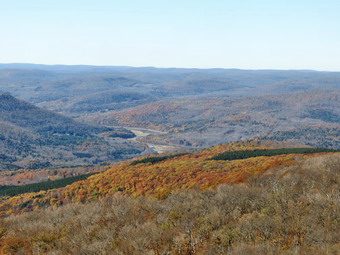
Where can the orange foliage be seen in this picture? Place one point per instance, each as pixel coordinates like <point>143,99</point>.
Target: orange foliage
<point>158,180</point>
<point>25,176</point>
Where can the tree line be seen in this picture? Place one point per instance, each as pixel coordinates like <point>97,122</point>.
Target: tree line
<point>244,154</point>
<point>153,160</point>
<point>35,187</point>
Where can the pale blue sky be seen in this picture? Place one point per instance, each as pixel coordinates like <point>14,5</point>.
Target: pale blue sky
<point>247,34</point>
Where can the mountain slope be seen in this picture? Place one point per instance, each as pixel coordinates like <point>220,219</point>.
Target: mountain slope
<point>66,89</point>
<point>294,210</point>
<point>158,177</point>
<point>211,121</point>
<point>260,205</point>
<point>34,138</point>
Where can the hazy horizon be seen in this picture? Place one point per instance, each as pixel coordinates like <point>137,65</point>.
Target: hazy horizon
<point>266,35</point>
<point>166,67</point>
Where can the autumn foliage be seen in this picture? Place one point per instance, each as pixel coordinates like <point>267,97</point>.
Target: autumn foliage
<point>289,210</point>
<point>173,173</point>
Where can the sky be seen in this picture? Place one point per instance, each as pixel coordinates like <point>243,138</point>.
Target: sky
<point>245,34</point>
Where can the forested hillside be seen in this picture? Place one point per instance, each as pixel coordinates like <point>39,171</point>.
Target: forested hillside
<point>284,204</point>
<point>138,134</point>
<point>28,176</point>
<point>197,107</point>
<point>87,89</point>
<point>310,118</point>
<point>150,176</point>
<point>35,138</point>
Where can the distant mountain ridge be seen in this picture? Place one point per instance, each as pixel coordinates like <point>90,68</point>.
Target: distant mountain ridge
<point>197,107</point>
<point>269,186</point>
<point>64,88</point>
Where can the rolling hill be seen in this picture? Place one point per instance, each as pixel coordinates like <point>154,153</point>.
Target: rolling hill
<point>34,138</point>
<point>69,89</point>
<point>197,108</point>
<point>158,176</point>
<point>204,122</point>
<point>273,190</point>
<point>256,204</point>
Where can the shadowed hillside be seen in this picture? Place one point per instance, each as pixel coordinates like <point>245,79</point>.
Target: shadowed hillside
<point>35,138</point>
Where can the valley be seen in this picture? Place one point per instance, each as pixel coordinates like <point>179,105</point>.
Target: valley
<point>168,161</point>
<point>209,121</point>
<point>35,138</point>
<point>170,127</point>
<point>149,133</point>
<point>196,108</point>
<point>132,112</point>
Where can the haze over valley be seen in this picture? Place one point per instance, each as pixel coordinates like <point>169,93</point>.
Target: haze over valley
<point>194,108</point>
